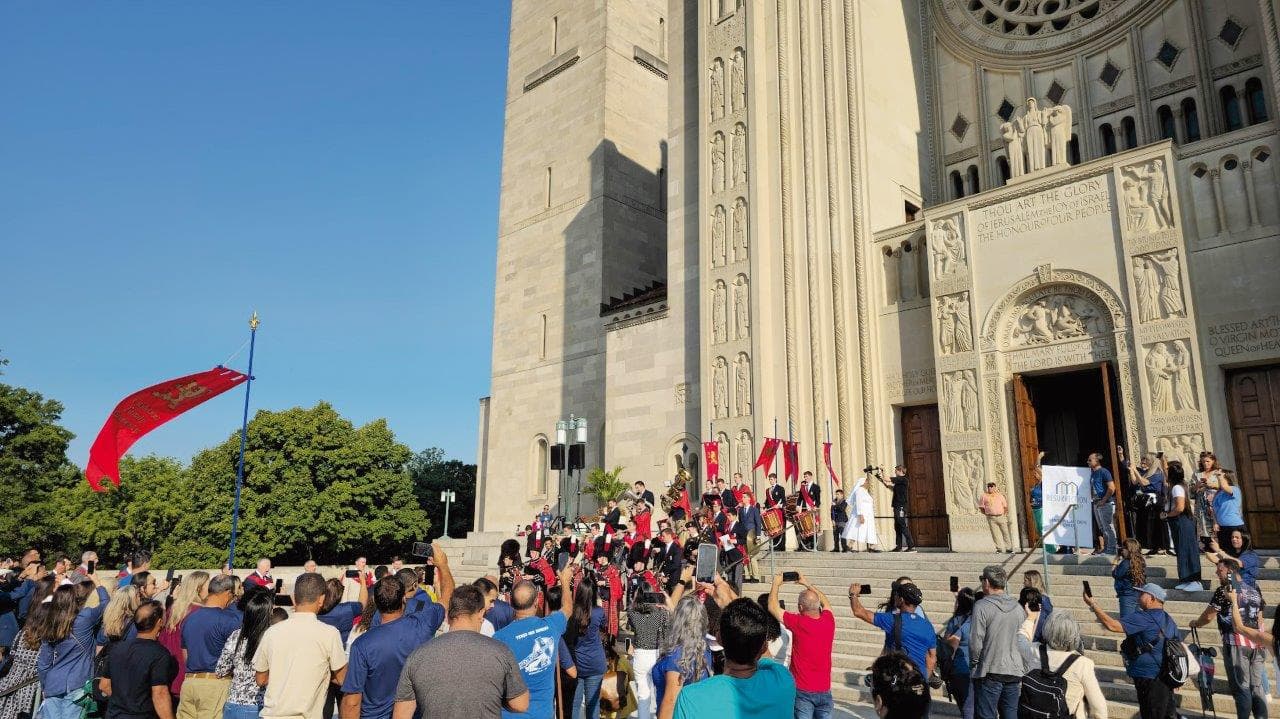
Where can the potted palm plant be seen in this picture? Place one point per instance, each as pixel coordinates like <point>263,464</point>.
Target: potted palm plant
<point>605,485</point>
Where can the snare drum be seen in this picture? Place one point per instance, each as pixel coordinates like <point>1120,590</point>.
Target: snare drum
<point>806,524</point>
<point>774,524</point>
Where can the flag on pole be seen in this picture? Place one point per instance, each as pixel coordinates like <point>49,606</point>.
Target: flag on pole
<point>826,457</point>
<point>711,451</point>
<point>767,453</point>
<point>146,409</point>
<point>791,459</point>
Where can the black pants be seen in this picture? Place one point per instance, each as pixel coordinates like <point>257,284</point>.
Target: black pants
<point>901,529</point>
<point>841,544</point>
<point>333,696</point>
<point>1155,699</point>
<point>1156,534</point>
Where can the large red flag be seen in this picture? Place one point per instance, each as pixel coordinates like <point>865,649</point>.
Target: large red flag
<point>826,456</point>
<point>711,450</point>
<point>146,409</point>
<point>791,460</point>
<point>767,453</point>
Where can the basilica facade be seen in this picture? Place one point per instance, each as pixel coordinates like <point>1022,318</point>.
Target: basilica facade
<point>948,233</point>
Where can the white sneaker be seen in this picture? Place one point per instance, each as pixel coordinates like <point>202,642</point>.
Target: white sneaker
<point>1190,587</point>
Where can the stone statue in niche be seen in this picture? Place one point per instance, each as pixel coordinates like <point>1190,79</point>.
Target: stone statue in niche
<point>1056,317</point>
<point>1036,135</point>
<point>954,333</point>
<point>719,312</point>
<point>961,392</point>
<point>741,310</point>
<point>1160,372</point>
<point>738,81</point>
<point>740,155</point>
<point>720,388</point>
<point>717,89</point>
<point>1146,197</point>
<point>965,470</point>
<point>717,237</point>
<point>717,162</point>
<point>1184,393</point>
<point>1032,123</point>
<point>740,230</point>
<point>742,384</point>
<point>1013,148</point>
<point>948,248</point>
<point>1059,123</point>
<point>744,453</point>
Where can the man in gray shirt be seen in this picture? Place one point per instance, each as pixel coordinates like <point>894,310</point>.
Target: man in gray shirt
<point>462,674</point>
<point>994,660</point>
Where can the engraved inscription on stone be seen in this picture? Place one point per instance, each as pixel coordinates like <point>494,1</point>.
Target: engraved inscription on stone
<point>1065,354</point>
<point>911,383</point>
<point>1050,208</point>
<point>1260,334</point>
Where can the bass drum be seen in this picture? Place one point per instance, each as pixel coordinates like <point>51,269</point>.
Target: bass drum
<point>806,524</point>
<point>774,522</point>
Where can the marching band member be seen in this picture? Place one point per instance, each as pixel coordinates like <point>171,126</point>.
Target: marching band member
<point>644,516</point>
<point>728,497</point>
<point>776,497</point>
<point>733,548</point>
<point>810,499</point>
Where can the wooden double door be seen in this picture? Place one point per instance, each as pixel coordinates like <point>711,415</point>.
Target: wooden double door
<point>1253,402</point>
<point>922,454</point>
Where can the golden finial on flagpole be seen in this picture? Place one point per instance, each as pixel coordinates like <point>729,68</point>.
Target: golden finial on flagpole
<point>254,321</point>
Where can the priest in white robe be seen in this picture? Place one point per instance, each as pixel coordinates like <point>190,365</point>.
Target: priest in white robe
<point>862,523</point>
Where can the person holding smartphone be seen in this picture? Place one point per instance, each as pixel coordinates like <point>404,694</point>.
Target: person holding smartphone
<point>813,632</point>
<point>1243,658</point>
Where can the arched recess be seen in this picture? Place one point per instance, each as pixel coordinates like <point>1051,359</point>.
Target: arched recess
<point>540,466</point>
<point>998,323</point>
<point>684,451</point>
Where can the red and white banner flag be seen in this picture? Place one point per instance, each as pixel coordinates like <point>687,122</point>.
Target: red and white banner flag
<point>826,457</point>
<point>146,409</point>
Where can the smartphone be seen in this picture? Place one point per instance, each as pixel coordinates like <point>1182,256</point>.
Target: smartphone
<point>955,584</point>
<point>168,576</point>
<point>279,585</point>
<point>1088,590</point>
<point>864,589</point>
<point>791,576</point>
<point>421,549</point>
<point>92,566</point>
<point>429,574</point>
<point>708,556</point>
<point>282,600</point>
<point>353,574</point>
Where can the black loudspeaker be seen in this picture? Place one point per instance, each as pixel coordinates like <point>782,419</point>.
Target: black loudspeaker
<point>577,456</point>
<point>557,456</point>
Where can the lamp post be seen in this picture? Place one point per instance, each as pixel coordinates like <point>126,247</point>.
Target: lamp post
<point>562,442</point>
<point>448,497</point>
<point>580,441</point>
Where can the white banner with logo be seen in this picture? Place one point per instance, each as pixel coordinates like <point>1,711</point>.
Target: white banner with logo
<point>1062,487</point>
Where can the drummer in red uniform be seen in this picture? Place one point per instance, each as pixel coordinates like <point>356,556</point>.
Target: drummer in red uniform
<point>775,502</point>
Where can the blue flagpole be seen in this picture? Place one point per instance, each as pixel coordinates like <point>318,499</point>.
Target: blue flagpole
<point>244,437</point>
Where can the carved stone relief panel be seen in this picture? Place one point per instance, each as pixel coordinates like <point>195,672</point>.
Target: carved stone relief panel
<point>744,452</point>
<point>742,385</point>
<point>955,329</point>
<point>965,473</point>
<point>949,254</point>
<point>1185,448</point>
<point>739,155</point>
<point>1054,318</point>
<point>717,162</point>
<point>1146,197</point>
<point>717,89</point>
<point>1157,279</point>
<point>1170,377</point>
<point>960,401</point>
<point>740,230</point>
<point>738,80</point>
<point>725,448</point>
<point>719,313</point>
<point>718,249</point>
<point>720,387</point>
<point>741,308</point>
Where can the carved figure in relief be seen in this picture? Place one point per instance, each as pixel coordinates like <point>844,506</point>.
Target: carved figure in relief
<point>1032,125</point>
<point>1160,371</point>
<point>954,334</point>
<point>739,155</point>
<point>960,310</point>
<point>968,400</point>
<point>720,388</point>
<point>1146,197</point>
<point>717,237</point>
<point>738,82</point>
<point>1036,323</point>
<point>1059,121</point>
<point>742,385</point>
<point>1066,324</point>
<point>717,89</point>
<point>740,230</point>
<point>1170,283</point>
<point>744,452</point>
<point>1056,317</point>
<point>741,313</point>
<point>948,248</point>
<point>1186,447</point>
<point>719,312</point>
<point>1184,395</point>
<point>1013,148</point>
<point>965,470</point>
<point>717,162</point>
<point>1147,282</point>
<point>1138,212</point>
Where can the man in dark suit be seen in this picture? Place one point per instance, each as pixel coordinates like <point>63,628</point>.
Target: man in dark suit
<point>612,516</point>
<point>811,498</point>
<point>728,499</point>
<point>776,496</point>
<point>733,549</point>
<point>644,494</point>
<point>671,559</point>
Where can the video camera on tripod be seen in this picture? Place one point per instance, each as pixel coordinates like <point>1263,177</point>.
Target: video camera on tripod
<point>873,469</point>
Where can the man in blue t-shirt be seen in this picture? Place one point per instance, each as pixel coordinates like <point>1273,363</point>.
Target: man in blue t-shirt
<point>534,641</point>
<point>905,630</point>
<point>379,655</point>
<point>499,614</point>
<point>204,633</point>
<point>1143,648</point>
<point>1104,503</point>
<point>751,687</point>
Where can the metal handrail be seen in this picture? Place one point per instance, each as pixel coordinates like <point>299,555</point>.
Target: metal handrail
<point>1026,554</point>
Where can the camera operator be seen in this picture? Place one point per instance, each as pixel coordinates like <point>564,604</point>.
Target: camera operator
<point>903,541</point>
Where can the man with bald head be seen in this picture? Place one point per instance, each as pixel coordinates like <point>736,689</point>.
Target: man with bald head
<point>137,671</point>
<point>533,640</point>
<point>813,631</point>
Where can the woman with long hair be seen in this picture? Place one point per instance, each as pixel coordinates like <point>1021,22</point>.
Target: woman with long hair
<point>1238,551</point>
<point>117,618</point>
<point>898,689</point>
<point>649,623</point>
<point>1202,492</point>
<point>25,650</point>
<point>583,639</point>
<point>1177,511</point>
<point>685,656</point>
<point>1129,573</point>
<point>66,632</point>
<point>1032,579</point>
<point>186,598</point>
<point>236,660</point>
<point>956,635</point>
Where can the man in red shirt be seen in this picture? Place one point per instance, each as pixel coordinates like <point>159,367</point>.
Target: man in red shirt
<point>813,631</point>
<point>261,577</point>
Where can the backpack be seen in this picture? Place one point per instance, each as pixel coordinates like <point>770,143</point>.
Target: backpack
<point>1177,664</point>
<point>1044,692</point>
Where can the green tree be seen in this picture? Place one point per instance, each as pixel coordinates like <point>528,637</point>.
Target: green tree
<point>142,513</point>
<point>432,473</point>
<point>315,487</point>
<point>604,485</point>
<point>33,464</point>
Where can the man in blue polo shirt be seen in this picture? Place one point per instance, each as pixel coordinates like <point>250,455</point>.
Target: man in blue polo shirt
<point>204,632</point>
<point>379,655</point>
<point>534,641</point>
<point>1104,502</point>
<point>1145,632</point>
<point>905,630</point>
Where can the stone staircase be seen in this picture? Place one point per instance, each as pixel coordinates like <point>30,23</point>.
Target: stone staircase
<point>857,644</point>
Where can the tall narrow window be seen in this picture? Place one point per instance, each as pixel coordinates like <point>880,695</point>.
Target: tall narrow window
<point>1254,101</point>
<point>1168,128</point>
<point>662,37</point>
<point>1230,108</point>
<point>542,465</point>
<point>1130,130</point>
<point>546,190</point>
<point>957,185</point>
<point>662,188</point>
<point>971,180</point>
<point>1108,136</point>
<point>542,338</point>
<point>555,35</point>
<point>1073,149</point>
<point>1190,120</point>
<point>1002,164</point>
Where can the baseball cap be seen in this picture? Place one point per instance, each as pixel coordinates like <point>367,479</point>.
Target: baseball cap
<point>910,594</point>
<point>1155,590</point>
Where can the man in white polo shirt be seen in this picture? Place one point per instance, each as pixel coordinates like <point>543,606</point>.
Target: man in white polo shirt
<point>297,658</point>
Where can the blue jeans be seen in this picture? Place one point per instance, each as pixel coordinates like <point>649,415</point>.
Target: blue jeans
<point>588,689</point>
<point>239,711</point>
<point>996,699</point>
<point>1105,515</point>
<point>63,707</point>
<point>1244,668</point>
<point>813,705</point>
<point>1128,603</point>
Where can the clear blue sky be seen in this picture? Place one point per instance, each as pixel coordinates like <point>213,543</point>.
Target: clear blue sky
<point>167,168</point>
